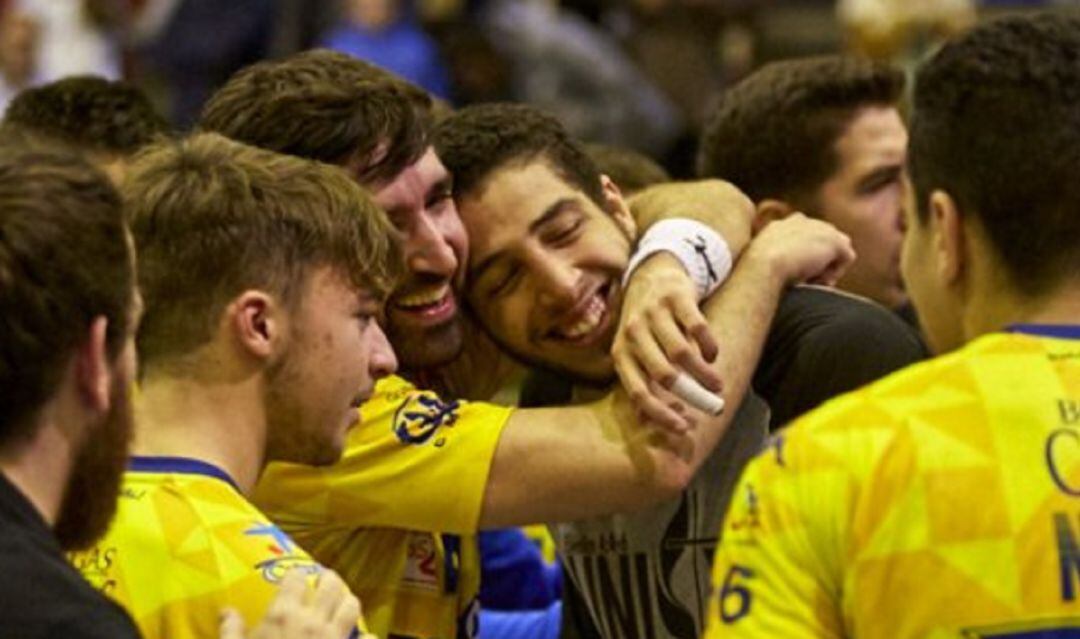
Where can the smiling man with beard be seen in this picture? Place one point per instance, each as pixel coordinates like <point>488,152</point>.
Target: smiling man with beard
<point>399,514</point>
<point>69,317</point>
<point>262,276</point>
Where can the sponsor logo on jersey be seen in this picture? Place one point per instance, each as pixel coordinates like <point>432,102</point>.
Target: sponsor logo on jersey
<point>283,553</point>
<point>421,416</point>
<point>96,567</point>
<point>421,562</point>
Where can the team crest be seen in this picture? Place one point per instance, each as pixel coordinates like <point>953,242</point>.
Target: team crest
<point>421,416</point>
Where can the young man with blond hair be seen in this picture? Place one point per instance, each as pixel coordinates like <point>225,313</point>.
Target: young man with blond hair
<point>262,277</point>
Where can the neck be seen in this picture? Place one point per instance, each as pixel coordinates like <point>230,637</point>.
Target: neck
<point>221,422</point>
<point>40,467</point>
<point>995,311</point>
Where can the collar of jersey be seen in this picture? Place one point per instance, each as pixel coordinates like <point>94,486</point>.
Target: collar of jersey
<point>1060,331</point>
<point>184,465</point>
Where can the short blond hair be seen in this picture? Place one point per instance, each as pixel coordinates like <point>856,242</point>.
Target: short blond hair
<point>212,218</point>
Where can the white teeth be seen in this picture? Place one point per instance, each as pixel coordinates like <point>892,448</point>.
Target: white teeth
<point>589,320</point>
<point>423,298</point>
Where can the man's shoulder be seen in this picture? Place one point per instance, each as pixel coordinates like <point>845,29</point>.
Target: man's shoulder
<point>827,314</point>
<point>167,514</point>
<point>858,427</point>
<point>399,410</point>
<point>44,596</point>
<point>823,343</point>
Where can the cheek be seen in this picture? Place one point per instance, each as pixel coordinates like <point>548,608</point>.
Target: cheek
<point>453,232</point>
<point>507,318</point>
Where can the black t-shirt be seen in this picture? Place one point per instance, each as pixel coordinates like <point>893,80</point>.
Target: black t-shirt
<point>41,595</point>
<point>821,344</point>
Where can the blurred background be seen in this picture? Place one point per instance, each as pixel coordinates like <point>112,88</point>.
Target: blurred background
<point>635,73</point>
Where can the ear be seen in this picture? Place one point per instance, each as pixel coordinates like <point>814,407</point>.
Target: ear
<point>950,237</point>
<point>770,210</point>
<point>92,373</point>
<point>258,323</point>
<point>616,206</point>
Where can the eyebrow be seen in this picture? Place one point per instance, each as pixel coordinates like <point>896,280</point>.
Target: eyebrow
<point>551,212</point>
<point>879,176</point>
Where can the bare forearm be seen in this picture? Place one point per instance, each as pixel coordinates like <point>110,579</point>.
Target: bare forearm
<point>716,203</point>
<point>740,315</point>
<point>564,464</point>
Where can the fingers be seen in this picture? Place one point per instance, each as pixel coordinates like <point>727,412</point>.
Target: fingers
<point>329,592</point>
<point>327,611</point>
<point>334,603</point>
<point>232,625</point>
<point>650,408</point>
<point>289,599</point>
<point>650,355</point>
<point>676,347</point>
<point>346,617</point>
<point>693,321</point>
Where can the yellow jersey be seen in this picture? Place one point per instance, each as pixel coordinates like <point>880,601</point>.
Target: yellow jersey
<point>185,543</point>
<point>942,501</point>
<point>397,516</point>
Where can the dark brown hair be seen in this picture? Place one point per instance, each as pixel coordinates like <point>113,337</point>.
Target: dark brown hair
<point>90,113</point>
<point>774,134</point>
<point>65,259</point>
<point>476,141</point>
<point>325,106</point>
<point>996,124</point>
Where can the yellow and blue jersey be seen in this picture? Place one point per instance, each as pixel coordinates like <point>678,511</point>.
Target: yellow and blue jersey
<point>185,543</point>
<point>397,516</point>
<point>942,501</point>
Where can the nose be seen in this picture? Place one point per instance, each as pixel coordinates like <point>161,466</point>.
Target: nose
<point>383,361</point>
<point>557,283</point>
<point>427,250</point>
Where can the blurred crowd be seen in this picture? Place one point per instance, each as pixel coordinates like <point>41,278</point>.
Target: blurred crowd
<point>635,73</point>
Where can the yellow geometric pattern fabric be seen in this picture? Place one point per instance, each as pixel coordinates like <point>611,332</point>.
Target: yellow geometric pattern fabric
<point>185,544</point>
<point>397,515</point>
<point>942,501</point>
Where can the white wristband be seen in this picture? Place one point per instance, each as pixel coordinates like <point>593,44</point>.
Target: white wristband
<point>701,250</point>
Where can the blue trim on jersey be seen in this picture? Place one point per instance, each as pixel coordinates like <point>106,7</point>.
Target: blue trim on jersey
<point>1062,331</point>
<point>184,465</point>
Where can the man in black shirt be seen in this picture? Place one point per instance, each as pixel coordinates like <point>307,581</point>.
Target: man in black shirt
<point>68,307</point>
<point>539,243</point>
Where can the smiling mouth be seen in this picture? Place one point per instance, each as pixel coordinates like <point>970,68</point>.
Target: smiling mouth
<point>586,321</point>
<point>434,304</point>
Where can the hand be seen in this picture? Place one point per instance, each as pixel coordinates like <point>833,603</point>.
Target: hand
<point>661,333</point>
<point>800,249</point>
<point>329,611</point>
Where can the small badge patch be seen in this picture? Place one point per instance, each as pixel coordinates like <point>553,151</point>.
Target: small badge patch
<point>422,415</point>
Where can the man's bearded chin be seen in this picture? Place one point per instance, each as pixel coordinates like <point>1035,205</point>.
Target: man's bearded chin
<point>90,498</point>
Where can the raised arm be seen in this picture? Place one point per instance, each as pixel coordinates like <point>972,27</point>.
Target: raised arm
<point>715,203</point>
<point>568,463</point>
<point>706,225</point>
